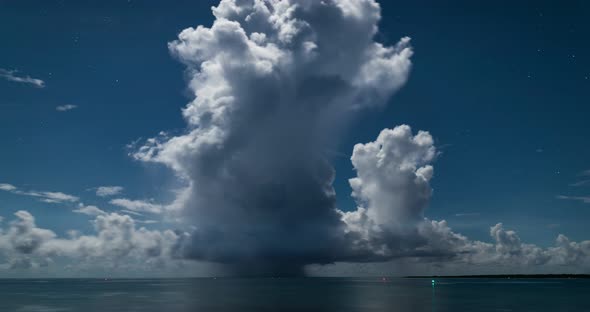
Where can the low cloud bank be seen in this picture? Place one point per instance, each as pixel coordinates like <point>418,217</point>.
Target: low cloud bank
<point>116,244</point>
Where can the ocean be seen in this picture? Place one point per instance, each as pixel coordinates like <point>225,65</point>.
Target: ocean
<point>297,294</point>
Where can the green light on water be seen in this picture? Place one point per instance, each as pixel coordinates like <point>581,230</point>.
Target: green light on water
<point>433,282</point>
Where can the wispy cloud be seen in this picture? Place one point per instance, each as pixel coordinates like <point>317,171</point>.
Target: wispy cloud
<point>580,183</point>
<point>94,211</point>
<point>44,196</point>
<point>584,199</point>
<point>11,75</point>
<point>138,205</point>
<point>135,213</point>
<point>105,191</point>
<point>65,108</point>
<point>467,214</point>
<point>583,178</point>
<point>146,221</point>
<point>90,210</point>
<point>52,197</point>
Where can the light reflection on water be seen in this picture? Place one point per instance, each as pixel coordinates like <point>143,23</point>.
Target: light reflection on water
<point>306,294</point>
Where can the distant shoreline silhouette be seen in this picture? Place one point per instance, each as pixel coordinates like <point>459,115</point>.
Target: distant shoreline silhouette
<point>505,276</point>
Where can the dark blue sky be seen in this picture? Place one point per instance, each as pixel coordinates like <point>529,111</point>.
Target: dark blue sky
<point>503,87</point>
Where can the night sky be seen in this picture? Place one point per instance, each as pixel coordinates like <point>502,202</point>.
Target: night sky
<point>502,87</point>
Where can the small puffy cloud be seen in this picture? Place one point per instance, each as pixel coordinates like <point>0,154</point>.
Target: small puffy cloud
<point>23,235</point>
<point>12,75</point>
<point>7,187</point>
<point>64,108</point>
<point>106,191</point>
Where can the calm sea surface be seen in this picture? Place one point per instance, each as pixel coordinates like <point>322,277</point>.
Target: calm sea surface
<point>305,294</point>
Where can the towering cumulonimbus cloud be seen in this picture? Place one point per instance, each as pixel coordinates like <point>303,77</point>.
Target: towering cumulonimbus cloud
<point>274,83</point>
